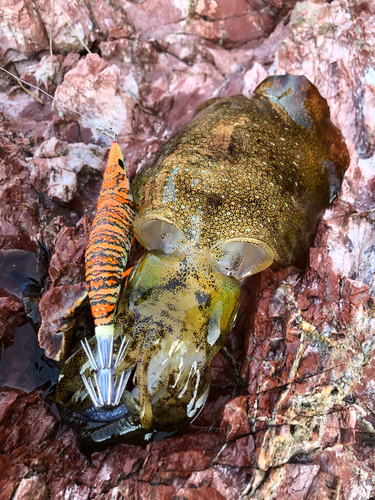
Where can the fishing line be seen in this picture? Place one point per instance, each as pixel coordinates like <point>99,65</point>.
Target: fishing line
<point>103,129</point>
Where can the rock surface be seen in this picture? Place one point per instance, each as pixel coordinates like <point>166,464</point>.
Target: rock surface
<point>293,415</point>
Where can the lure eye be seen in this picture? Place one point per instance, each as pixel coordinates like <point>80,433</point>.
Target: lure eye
<point>121,163</point>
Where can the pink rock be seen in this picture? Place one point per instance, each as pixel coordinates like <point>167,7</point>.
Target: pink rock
<point>233,32</point>
<point>153,14</point>
<point>22,32</point>
<point>58,167</point>
<point>47,74</point>
<point>101,93</point>
<point>220,9</point>
<point>32,487</point>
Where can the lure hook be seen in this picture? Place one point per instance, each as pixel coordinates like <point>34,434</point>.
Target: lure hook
<point>108,131</point>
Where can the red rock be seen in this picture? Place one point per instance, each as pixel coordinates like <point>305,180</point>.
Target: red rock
<point>10,474</point>
<point>60,309</point>
<point>324,486</point>
<point>235,421</point>
<point>203,493</point>
<point>222,372</point>
<point>12,315</point>
<point>67,265</point>
<point>291,481</point>
<point>32,487</point>
<point>34,426</point>
<point>131,466</point>
<point>18,215</point>
<point>212,410</point>
<point>238,453</point>
<point>227,482</point>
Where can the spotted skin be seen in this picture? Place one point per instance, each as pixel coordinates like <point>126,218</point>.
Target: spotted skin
<point>109,240</point>
<point>257,170</point>
<point>260,170</point>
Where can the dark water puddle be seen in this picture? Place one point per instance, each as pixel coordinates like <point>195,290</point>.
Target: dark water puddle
<point>20,261</point>
<point>24,366</point>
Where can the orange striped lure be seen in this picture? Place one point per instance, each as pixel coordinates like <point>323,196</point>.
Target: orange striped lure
<point>106,256</point>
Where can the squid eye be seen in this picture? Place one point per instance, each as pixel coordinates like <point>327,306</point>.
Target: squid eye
<point>242,258</point>
<point>161,235</point>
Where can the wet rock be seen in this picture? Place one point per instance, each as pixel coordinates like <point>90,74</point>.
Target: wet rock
<point>65,313</point>
<point>24,366</point>
<point>12,315</point>
<point>20,261</point>
<point>19,293</point>
<point>67,266</point>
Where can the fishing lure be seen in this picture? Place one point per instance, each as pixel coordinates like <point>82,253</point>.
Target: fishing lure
<point>241,186</point>
<point>106,257</point>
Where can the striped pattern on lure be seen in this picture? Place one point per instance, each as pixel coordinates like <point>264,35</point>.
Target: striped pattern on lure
<point>110,239</point>
<point>106,256</point>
